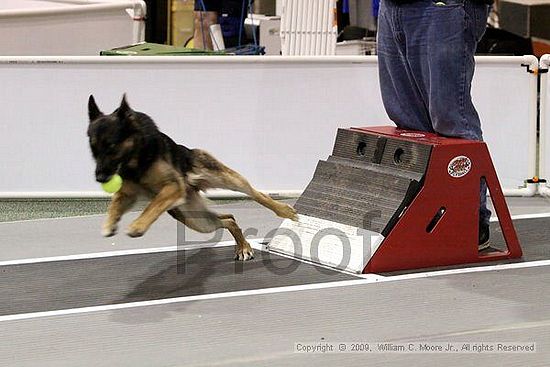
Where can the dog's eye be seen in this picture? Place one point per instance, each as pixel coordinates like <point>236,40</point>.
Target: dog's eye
<point>112,146</point>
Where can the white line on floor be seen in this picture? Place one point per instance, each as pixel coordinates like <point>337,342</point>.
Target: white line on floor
<point>95,255</point>
<point>525,216</point>
<point>304,287</point>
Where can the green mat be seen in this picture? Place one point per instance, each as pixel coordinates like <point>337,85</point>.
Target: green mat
<point>156,49</point>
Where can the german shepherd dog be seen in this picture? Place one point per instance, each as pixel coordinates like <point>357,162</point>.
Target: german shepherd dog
<point>172,176</point>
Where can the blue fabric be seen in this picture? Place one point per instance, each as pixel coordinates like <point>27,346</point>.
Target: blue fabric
<point>230,7</point>
<point>375,7</point>
<point>345,6</point>
<point>426,65</point>
<point>230,26</point>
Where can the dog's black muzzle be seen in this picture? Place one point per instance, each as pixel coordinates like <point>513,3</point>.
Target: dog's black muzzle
<point>102,178</point>
<point>103,175</point>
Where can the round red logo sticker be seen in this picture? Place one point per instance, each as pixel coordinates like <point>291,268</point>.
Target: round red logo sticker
<point>459,166</point>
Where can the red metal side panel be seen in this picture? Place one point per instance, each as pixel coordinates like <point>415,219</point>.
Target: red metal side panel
<point>454,240</point>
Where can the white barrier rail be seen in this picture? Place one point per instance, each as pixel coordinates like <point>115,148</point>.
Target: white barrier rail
<point>544,133</point>
<point>69,27</point>
<point>271,118</point>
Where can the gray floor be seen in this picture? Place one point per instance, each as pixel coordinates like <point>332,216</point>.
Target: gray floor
<point>261,330</point>
<point>253,329</point>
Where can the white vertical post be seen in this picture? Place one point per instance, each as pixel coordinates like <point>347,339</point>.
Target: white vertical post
<point>319,29</point>
<point>300,28</point>
<point>314,24</point>
<point>279,7</point>
<point>326,21</point>
<point>140,12</point>
<point>283,32</point>
<point>544,66</point>
<point>334,29</point>
<point>322,20</point>
<point>295,21</point>
<point>309,22</point>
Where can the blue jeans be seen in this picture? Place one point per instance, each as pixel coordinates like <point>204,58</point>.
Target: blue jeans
<point>426,66</point>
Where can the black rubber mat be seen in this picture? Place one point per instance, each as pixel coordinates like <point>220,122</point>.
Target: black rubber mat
<point>534,237</point>
<point>132,278</point>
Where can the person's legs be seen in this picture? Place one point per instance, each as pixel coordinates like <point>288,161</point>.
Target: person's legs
<point>441,42</point>
<point>403,100</point>
<point>440,46</point>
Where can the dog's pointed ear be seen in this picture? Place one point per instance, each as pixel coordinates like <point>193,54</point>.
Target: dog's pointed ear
<point>93,110</point>
<point>124,108</point>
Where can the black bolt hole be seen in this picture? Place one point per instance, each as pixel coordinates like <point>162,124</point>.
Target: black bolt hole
<point>398,156</point>
<point>437,217</point>
<point>361,148</point>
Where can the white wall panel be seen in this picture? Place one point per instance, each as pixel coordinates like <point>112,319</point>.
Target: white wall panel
<point>271,118</point>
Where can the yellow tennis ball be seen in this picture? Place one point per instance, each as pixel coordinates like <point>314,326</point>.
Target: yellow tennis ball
<point>113,185</point>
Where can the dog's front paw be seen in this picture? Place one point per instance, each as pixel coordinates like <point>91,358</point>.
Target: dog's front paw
<point>109,230</point>
<point>136,230</point>
<point>286,211</point>
<point>244,253</point>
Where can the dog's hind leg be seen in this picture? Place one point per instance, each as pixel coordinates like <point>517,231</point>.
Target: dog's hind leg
<point>220,176</point>
<point>178,215</point>
<point>243,250</point>
<point>232,180</point>
<point>196,216</point>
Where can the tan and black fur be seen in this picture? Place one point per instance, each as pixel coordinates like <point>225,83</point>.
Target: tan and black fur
<point>172,176</point>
